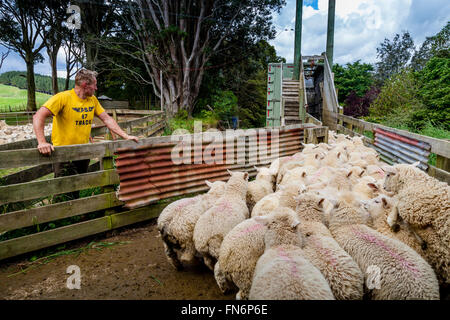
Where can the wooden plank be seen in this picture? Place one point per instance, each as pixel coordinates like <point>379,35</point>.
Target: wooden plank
<point>15,247</point>
<point>24,144</point>
<point>30,157</point>
<point>36,189</point>
<point>439,174</point>
<point>26,175</point>
<point>26,218</point>
<point>136,215</point>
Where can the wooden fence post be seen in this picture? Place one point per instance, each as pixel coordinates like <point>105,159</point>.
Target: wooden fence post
<point>107,162</point>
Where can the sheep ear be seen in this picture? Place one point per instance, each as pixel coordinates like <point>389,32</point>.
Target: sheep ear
<point>385,203</point>
<point>373,186</point>
<point>362,172</point>
<point>349,174</point>
<point>261,219</point>
<point>208,183</point>
<point>229,172</point>
<point>339,155</point>
<point>295,223</point>
<point>245,175</point>
<point>317,156</point>
<point>320,204</point>
<point>303,174</point>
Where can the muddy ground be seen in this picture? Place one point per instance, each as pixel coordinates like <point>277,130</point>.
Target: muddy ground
<point>134,270</point>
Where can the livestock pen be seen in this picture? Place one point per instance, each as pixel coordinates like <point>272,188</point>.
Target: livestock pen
<point>147,177</point>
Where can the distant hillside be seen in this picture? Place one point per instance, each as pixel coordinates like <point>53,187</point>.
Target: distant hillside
<point>15,99</point>
<point>43,83</point>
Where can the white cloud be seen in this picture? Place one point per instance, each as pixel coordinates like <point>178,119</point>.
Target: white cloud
<point>360,26</point>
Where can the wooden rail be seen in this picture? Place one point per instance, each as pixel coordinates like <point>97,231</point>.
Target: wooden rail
<point>356,127</point>
<point>109,210</point>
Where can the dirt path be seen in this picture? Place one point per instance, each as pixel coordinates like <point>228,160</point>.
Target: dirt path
<point>134,270</point>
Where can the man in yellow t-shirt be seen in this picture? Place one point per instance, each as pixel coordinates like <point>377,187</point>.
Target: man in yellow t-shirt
<point>73,112</point>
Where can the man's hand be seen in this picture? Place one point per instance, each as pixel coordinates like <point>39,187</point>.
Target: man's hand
<point>134,138</point>
<point>45,148</point>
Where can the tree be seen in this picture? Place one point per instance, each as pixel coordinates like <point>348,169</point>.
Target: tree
<point>3,57</point>
<point>98,19</point>
<point>73,50</point>
<point>394,55</point>
<point>179,38</point>
<point>20,26</point>
<point>353,77</point>
<point>437,45</point>
<point>53,15</point>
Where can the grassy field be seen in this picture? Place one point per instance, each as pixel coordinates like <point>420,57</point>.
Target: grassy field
<point>15,99</point>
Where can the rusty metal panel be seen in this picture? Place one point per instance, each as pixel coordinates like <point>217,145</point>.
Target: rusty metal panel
<point>148,173</point>
<point>400,149</point>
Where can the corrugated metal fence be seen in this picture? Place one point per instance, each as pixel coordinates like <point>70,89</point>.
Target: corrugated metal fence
<point>180,165</point>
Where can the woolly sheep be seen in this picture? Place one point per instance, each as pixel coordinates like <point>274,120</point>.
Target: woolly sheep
<point>229,210</point>
<point>403,273</point>
<point>176,224</point>
<point>282,198</point>
<point>423,202</point>
<point>341,271</point>
<point>283,272</point>
<point>260,187</point>
<point>379,208</point>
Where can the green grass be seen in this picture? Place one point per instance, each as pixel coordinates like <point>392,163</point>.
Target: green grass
<point>15,99</point>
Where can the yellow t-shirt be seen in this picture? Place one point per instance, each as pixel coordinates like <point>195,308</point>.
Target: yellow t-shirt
<point>73,117</point>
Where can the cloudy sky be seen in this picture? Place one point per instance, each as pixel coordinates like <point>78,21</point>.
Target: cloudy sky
<point>360,26</point>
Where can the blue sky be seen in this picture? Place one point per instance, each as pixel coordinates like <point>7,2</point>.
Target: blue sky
<point>360,26</point>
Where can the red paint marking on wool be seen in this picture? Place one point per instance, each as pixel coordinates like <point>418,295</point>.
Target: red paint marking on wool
<point>326,252</point>
<point>249,229</point>
<point>286,257</point>
<point>185,202</point>
<point>406,264</point>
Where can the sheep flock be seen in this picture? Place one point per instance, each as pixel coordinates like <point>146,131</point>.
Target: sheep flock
<point>329,222</point>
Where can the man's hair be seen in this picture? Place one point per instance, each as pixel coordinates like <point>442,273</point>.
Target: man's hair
<point>85,75</point>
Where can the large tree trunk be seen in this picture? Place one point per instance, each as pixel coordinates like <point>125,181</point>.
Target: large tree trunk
<point>53,57</point>
<point>31,86</point>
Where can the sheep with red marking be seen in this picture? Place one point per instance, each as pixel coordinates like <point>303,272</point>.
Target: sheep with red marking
<point>228,211</point>
<point>401,272</point>
<point>423,202</point>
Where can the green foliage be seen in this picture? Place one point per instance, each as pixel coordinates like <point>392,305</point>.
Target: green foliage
<point>182,120</point>
<point>225,105</point>
<point>394,55</point>
<point>357,77</point>
<point>435,91</point>
<point>398,100</point>
<point>435,46</point>
<point>43,83</point>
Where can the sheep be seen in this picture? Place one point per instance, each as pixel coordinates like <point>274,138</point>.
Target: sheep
<point>229,210</point>
<point>176,224</point>
<point>341,271</point>
<point>283,272</point>
<point>402,272</point>
<point>260,187</point>
<point>366,188</point>
<point>296,175</point>
<point>282,198</point>
<point>423,203</point>
<point>335,158</point>
<point>379,208</point>
<point>239,253</point>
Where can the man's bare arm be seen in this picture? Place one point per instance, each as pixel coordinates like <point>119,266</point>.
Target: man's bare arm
<point>38,126</point>
<point>114,127</point>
